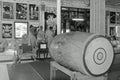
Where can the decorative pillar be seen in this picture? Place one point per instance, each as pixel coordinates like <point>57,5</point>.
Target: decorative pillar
<point>97,16</point>
<point>42,19</point>
<point>58,16</point>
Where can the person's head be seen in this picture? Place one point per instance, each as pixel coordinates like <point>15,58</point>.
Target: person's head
<point>32,29</point>
<point>31,26</point>
<point>24,36</point>
<point>51,28</point>
<point>41,27</point>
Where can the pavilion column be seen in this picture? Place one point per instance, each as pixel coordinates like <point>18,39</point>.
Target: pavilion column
<point>58,16</point>
<point>42,15</point>
<point>97,16</point>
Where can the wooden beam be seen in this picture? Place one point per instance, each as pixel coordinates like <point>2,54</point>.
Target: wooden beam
<point>97,16</point>
<point>58,16</point>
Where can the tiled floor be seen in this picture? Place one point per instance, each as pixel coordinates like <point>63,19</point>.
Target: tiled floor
<point>39,70</point>
<point>23,72</point>
<point>26,71</point>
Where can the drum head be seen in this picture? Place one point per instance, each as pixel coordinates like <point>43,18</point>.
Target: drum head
<point>98,56</point>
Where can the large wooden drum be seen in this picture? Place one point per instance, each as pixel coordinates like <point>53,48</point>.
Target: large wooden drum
<point>88,53</point>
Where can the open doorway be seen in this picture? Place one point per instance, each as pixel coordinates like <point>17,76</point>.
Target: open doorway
<point>75,19</point>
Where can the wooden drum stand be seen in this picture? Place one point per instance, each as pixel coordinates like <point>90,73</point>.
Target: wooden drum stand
<point>73,75</point>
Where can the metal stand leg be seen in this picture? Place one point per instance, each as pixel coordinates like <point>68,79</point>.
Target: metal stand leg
<point>52,72</point>
<point>4,72</point>
<point>73,77</point>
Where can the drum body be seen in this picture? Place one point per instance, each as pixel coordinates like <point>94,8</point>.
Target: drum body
<point>88,53</point>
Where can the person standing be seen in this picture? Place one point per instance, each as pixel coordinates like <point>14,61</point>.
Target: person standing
<point>32,39</point>
<point>49,34</point>
<point>40,35</point>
